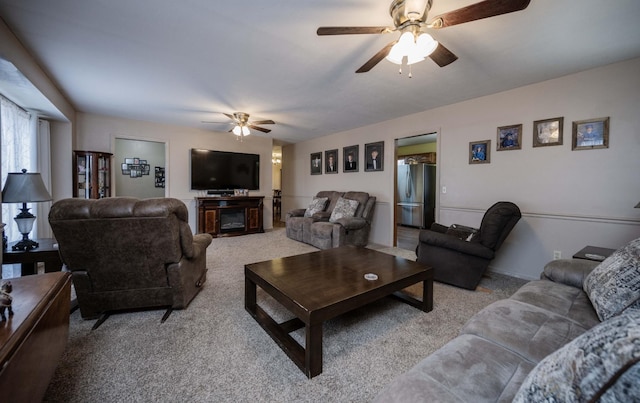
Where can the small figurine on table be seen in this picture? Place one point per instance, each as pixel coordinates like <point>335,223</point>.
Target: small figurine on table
<point>5,299</point>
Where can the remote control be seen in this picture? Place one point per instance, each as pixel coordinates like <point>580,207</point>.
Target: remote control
<point>594,256</point>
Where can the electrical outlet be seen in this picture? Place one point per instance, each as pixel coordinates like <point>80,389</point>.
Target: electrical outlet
<point>444,189</point>
<point>557,255</point>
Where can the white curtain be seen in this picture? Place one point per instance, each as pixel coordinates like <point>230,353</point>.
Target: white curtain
<point>19,150</point>
<point>42,228</point>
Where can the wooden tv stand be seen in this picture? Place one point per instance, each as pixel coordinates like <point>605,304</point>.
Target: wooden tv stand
<point>230,215</point>
<point>34,338</point>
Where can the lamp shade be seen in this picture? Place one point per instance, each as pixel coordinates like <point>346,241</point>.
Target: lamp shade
<point>23,187</point>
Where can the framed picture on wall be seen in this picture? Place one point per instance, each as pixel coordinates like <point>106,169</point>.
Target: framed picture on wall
<point>547,132</point>
<point>331,161</point>
<point>480,152</point>
<point>509,138</point>
<point>374,156</point>
<point>350,155</point>
<point>590,134</point>
<point>316,163</point>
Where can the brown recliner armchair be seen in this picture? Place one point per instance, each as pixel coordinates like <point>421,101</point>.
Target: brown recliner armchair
<point>460,255</point>
<point>126,253</point>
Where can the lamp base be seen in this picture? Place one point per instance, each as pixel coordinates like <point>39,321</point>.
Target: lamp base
<point>25,244</point>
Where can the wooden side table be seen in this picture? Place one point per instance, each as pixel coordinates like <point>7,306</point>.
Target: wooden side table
<point>35,337</point>
<point>595,253</point>
<point>46,252</point>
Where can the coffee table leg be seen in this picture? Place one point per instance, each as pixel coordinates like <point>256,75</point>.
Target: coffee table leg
<point>313,350</point>
<point>427,295</point>
<point>249,295</point>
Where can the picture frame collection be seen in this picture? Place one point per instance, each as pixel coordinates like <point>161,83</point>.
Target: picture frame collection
<point>135,167</point>
<point>330,164</point>
<point>586,134</point>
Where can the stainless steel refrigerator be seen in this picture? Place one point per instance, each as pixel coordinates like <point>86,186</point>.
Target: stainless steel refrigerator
<point>416,195</point>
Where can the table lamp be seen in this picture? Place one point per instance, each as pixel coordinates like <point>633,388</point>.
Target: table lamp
<point>24,188</point>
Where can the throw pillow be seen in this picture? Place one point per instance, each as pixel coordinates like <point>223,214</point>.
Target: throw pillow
<point>344,208</point>
<point>317,205</point>
<point>614,285</point>
<point>602,363</point>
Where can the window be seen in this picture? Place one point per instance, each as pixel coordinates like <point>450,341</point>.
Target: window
<point>19,147</point>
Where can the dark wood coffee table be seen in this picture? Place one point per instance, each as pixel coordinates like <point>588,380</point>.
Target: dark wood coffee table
<point>319,286</point>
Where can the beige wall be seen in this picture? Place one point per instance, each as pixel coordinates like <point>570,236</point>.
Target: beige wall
<point>569,198</point>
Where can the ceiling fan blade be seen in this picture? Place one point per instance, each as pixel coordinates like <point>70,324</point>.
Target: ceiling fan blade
<point>478,11</point>
<point>353,30</point>
<point>261,129</point>
<point>229,116</point>
<point>443,56</point>
<point>376,58</point>
<point>264,122</point>
<point>221,123</point>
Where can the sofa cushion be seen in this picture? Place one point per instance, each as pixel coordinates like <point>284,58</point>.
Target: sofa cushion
<point>614,285</point>
<point>603,363</point>
<point>344,208</point>
<point>525,329</point>
<point>561,299</point>
<point>317,205</point>
<point>467,369</point>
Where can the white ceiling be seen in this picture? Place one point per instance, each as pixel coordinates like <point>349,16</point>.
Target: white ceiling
<point>182,62</point>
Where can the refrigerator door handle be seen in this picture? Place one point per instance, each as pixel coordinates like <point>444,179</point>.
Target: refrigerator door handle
<point>407,190</point>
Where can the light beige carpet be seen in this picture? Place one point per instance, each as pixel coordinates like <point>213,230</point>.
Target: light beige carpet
<point>213,351</point>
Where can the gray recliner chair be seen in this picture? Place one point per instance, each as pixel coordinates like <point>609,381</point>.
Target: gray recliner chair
<point>126,253</point>
<point>460,255</point>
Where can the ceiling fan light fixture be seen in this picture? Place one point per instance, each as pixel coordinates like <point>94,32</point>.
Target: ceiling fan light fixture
<point>402,48</point>
<point>414,9</point>
<point>425,45</point>
<point>245,131</point>
<point>395,55</point>
<point>406,42</point>
<point>415,49</point>
<point>414,57</point>
<point>237,130</point>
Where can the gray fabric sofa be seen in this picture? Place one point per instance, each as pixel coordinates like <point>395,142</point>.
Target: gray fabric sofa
<point>547,342</point>
<point>317,228</point>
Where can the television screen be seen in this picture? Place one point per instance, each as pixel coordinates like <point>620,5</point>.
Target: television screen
<point>223,170</point>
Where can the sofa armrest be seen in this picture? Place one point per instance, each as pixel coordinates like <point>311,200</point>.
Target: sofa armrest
<point>568,271</point>
<point>461,231</point>
<point>450,242</point>
<point>351,223</point>
<point>321,216</point>
<point>299,212</point>
<point>439,228</point>
<point>200,244</point>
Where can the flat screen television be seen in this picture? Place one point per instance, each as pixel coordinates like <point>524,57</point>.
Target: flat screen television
<point>224,171</point>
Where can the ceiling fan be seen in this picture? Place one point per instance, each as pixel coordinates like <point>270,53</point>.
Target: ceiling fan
<point>410,18</point>
<point>242,124</point>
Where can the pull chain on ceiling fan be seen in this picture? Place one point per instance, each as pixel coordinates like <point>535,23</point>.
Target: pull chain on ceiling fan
<point>242,124</point>
<point>415,44</point>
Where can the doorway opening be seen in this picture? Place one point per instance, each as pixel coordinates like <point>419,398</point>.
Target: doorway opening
<point>139,168</point>
<point>415,183</point>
